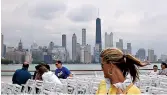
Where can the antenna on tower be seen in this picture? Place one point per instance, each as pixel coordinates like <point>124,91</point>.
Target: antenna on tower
<point>20,39</point>
<point>98,12</point>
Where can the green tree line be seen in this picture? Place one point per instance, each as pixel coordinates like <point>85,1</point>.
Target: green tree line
<point>6,61</point>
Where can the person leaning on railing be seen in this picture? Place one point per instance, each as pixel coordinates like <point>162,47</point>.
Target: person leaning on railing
<point>116,67</point>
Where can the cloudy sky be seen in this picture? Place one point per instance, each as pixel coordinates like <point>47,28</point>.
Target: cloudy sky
<point>141,22</point>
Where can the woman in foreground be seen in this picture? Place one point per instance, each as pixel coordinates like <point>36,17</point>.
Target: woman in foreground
<point>116,66</point>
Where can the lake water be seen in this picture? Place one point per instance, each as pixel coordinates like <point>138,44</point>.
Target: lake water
<point>69,66</point>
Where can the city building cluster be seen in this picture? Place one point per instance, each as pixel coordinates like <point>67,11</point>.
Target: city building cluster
<point>81,52</point>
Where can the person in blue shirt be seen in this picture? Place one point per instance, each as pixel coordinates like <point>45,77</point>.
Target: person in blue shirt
<point>21,75</point>
<point>61,71</point>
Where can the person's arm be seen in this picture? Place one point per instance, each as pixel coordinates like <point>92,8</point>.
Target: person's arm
<point>68,72</point>
<point>70,75</point>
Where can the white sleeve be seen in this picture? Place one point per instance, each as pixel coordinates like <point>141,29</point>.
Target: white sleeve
<point>56,79</point>
<point>43,77</point>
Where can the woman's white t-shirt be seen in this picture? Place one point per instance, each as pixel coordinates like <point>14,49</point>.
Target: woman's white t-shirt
<point>50,77</point>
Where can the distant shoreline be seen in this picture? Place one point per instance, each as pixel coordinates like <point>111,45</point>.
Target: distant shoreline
<point>78,63</point>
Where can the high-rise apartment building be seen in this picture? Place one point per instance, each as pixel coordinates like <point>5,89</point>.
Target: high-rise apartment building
<point>141,54</point>
<point>129,48</point>
<point>96,53</point>
<point>78,50</point>
<point>2,47</point>
<point>64,40</point>
<point>151,55</point>
<point>108,40</point>
<point>119,44</point>
<point>74,44</point>
<point>83,36</point>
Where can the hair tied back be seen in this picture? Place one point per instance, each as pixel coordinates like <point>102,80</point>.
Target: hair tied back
<point>124,57</point>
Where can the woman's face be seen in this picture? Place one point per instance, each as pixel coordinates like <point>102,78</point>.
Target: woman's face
<point>105,68</point>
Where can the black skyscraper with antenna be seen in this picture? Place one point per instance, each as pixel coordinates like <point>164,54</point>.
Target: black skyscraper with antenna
<point>98,32</point>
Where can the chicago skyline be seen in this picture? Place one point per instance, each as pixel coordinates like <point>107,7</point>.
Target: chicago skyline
<point>138,22</point>
<point>83,52</point>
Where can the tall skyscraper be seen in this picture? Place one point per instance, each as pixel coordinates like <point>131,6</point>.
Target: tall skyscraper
<point>64,40</point>
<point>28,57</point>
<point>108,40</point>
<point>83,36</point>
<point>20,46</point>
<point>82,57</point>
<point>4,50</point>
<point>51,45</point>
<point>151,55</point>
<point>87,54</point>
<point>98,33</point>
<point>119,44</point>
<point>2,47</point>
<point>141,54</point>
<point>155,58</point>
<point>111,38</point>
<point>74,44</point>
<point>78,50</point>
<point>129,48</point>
<point>36,53</point>
<point>96,53</point>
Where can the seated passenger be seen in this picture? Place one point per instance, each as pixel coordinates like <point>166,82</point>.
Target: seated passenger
<point>155,70</point>
<point>21,75</point>
<point>61,71</point>
<point>164,69</point>
<point>48,76</point>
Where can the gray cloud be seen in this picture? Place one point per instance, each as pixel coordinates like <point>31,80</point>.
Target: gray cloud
<point>47,9</point>
<point>139,22</point>
<point>83,13</point>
